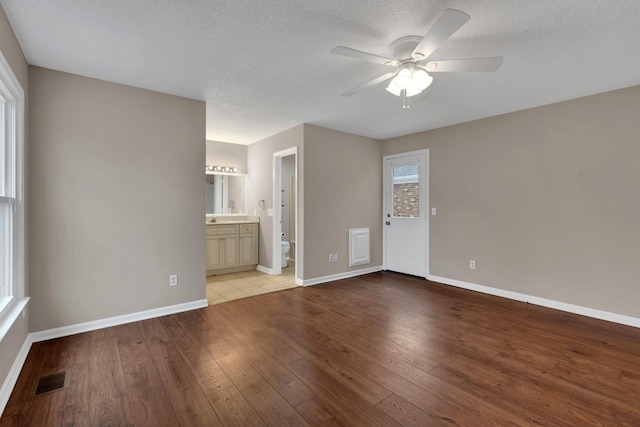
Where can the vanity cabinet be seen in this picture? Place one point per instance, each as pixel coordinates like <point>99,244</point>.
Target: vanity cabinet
<point>248,252</point>
<point>231,247</point>
<point>222,246</point>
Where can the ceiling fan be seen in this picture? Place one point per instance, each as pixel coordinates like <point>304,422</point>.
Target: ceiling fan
<point>409,56</point>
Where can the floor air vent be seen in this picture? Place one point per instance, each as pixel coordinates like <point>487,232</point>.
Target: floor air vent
<point>51,383</point>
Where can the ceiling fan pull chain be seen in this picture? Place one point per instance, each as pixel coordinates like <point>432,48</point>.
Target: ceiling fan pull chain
<point>405,100</point>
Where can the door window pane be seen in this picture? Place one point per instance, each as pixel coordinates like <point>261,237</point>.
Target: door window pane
<point>406,191</point>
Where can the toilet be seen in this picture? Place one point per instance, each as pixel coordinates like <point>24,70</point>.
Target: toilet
<point>285,250</point>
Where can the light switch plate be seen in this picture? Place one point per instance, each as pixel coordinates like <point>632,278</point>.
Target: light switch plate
<point>270,212</point>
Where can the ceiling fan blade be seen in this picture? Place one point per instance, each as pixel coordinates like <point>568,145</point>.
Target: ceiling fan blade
<point>358,54</point>
<point>465,65</point>
<point>368,84</point>
<point>448,23</point>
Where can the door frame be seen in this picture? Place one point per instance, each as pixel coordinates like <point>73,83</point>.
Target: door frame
<point>424,192</point>
<point>276,268</point>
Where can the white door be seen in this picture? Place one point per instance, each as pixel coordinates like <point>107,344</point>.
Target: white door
<point>406,239</point>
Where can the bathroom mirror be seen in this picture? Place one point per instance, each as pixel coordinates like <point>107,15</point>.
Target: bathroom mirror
<point>226,194</point>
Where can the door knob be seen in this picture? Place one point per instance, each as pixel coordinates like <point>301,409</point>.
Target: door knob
<point>388,222</point>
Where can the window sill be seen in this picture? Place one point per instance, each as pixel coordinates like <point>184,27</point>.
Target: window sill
<point>10,314</point>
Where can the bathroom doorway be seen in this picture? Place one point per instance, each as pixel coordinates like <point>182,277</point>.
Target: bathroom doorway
<point>286,248</point>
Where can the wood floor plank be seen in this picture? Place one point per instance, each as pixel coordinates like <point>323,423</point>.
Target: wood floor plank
<point>32,412</point>
<point>446,401</point>
<point>109,401</point>
<point>233,409</point>
<point>339,367</point>
<point>348,406</point>
<point>187,399</point>
<point>272,370</point>
<point>147,397</point>
<point>407,414</point>
<point>70,406</point>
<point>272,407</point>
<point>209,375</point>
<point>316,413</point>
<point>269,366</point>
<point>381,349</point>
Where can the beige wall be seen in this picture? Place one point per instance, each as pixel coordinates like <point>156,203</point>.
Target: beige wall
<point>260,185</point>
<point>339,187</point>
<point>116,198</point>
<point>225,154</point>
<point>545,200</point>
<point>12,341</point>
<point>343,187</point>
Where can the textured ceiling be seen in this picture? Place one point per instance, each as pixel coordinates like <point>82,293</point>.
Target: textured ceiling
<point>264,66</point>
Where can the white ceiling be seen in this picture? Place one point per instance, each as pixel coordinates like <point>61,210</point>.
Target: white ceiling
<point>264,66</point>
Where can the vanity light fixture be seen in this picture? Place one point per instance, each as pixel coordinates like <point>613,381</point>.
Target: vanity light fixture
<point>228,169</point>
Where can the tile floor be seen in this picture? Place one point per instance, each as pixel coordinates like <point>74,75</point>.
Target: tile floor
<point>227,287</point>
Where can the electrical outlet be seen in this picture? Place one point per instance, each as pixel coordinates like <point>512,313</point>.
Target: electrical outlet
<point>472,264</point>
<point>433,211</point>
<point>173,280</point>
<point>330,257</point>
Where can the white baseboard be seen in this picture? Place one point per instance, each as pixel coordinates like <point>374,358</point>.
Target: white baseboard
<point>264,269</point>
<point>557,305</point>
<point>345,275</point>
<point>117,320</point>
<point>14,373</point>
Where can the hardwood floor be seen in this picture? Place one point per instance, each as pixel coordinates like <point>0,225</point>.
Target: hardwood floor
<point>376,350</point>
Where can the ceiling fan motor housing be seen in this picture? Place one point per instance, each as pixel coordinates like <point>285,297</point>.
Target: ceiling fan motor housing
<point>402,48</point>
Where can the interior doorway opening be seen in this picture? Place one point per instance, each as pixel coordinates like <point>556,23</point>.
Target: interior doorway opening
<point>286,250</point>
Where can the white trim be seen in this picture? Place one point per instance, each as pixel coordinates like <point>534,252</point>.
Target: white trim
<point>264,269</point>
<point>14,129</point>
<point>345,275</point>
<point>13,374</point>
<point>276,223</point>
<point>276,268</point>
<point>8,317</point>
<point>117,320</point>
<point>557,305</point>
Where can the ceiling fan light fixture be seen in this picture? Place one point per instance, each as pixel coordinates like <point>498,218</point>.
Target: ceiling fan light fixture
<point>413,79</point>
<point>413,90</point>
<point>393,89</point>
<point>422,79</point>
<point>404,78</point>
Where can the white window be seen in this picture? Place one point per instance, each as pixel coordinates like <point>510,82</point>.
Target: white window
<point>12,298</point>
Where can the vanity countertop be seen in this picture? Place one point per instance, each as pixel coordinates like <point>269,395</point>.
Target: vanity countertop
<point>232,219</point>
<point>231,222</point>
